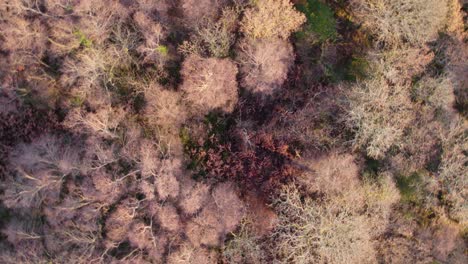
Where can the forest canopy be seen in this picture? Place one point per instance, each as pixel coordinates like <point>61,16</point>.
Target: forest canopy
<point>233,131</point>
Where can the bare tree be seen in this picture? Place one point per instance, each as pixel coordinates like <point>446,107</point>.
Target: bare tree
<point>271,19</point>
<point>41,168</point>
<point>264,64</point>
<point>396,22</point>
<point>103,122</point>
<point>209,84</point>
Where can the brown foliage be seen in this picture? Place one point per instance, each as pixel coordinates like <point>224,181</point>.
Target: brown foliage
<point>99,99</point>
<point>263,218</point>
<point>317,123</point>
<point>25,125</point>
<point>254,159</point>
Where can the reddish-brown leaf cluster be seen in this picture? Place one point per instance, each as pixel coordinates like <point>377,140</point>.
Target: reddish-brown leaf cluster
<point>25,125</point>
<point>262,165</point>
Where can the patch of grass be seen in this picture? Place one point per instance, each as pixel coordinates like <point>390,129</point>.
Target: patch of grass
<point>415,199</point>
<point>185,137</point>
<point>320,19</point>
<point>162,49</point>
<point>77,101</point>
<point>371,168</point>
<point>356,68</point>
<point>410,188</point>
<point>84,40</point>
<point>350,69</point>
<point>69,8</point>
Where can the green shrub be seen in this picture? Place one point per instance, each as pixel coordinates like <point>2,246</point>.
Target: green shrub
<point>162,49</point>
<point>320,19</point>
<point>357,68</point>
<point>83,39</point>
<point>410,188</point>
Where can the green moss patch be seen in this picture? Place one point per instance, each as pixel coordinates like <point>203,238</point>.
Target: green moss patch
<point>320,19</point>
